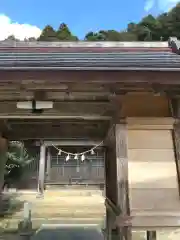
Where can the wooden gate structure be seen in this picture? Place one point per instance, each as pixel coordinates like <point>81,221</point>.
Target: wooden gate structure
<point>125,93</point>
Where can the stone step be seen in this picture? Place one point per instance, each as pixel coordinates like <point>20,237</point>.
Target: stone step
<point>11,224</point>
<point>73,192</point>
<point>65,209</point>
<point>55,198</point>
<point>64,205</point>
<point>63,213</point>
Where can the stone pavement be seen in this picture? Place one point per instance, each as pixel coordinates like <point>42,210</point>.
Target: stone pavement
<point>59,207</point>
<point>69,232</point>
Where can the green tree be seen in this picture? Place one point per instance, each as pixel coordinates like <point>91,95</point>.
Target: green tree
<point>112,35</point>
<point>172,21</point>
<point>64,34</point>
<point>165,30</point>
<point>17,159</point>
<point>93,36</point>
<point>127,36</point>
<point>48,34</point>
<point>147,29</point>
<point>11,38</point>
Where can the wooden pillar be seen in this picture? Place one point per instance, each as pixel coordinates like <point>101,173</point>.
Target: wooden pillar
<point>117,179</point>
<point>151,235</point>
<point>175,103</point>
<point>48,167</point>
<point>3,160</point>
<point>3,155</point>
<point>176,138</point>
<point>42,168</point>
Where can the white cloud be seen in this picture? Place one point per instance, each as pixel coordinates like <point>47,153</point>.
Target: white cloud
<point>163,5</point>
<point>149,5</point>
<point>20,31</point>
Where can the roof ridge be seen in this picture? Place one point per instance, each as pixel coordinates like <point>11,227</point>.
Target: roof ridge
<point>83,44</point>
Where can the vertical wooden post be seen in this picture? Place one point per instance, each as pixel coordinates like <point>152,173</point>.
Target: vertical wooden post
<point>3,160</point>
<point>175,109</point>
<point>48,167</point>
<point>151,235</point>
<point>42,168</point>
<point>122,176</point>
<point>176,138</point>
<point>117,175</point>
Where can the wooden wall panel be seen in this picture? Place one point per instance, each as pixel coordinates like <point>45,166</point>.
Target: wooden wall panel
<point>151,155</point>
<point>148,175</point>
<point>150,139</point>
<point>154,200</point>
<point>153,185</point>
<point>145,105</point>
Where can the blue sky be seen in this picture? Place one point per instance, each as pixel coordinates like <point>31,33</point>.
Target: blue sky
<point>26,16</point>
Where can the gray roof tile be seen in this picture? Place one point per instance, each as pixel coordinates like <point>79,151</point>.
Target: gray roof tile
<point>128,59</point>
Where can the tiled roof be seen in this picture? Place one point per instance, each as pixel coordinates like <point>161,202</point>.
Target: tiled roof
<point>89,55</point>
<point>108,61</point>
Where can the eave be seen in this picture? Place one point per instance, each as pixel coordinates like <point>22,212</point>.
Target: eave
<point>91,69</point>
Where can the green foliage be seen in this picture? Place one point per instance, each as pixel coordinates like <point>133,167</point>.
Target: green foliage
<point>17,159</point>
<point>12,38</point>
<point>48,34</point>
<point>64,34</point>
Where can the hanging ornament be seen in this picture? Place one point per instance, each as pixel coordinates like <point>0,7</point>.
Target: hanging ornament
<point>67,158</point>
<point>59,153</point>
<point>76,157</point>
<point>92,152</point>
<point>82,158</point>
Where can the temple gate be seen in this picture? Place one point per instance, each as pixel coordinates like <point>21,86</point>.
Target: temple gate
<point>125,95</point>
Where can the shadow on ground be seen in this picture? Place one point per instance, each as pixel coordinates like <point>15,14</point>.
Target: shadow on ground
<point>69,233</point>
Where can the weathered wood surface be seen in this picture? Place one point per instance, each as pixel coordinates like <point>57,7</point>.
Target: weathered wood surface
<point>105,77</point>
<point>117,173</point>
<point>176,138</point>
<point>153,106</point>
<point>152,175</point>
<point>56,129</point>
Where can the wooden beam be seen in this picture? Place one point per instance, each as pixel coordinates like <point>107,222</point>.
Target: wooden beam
<point>73,143</point>
<point>61,108</point>
<point>58,133</point>
<point>62,117</point>
<point>105,77</point>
